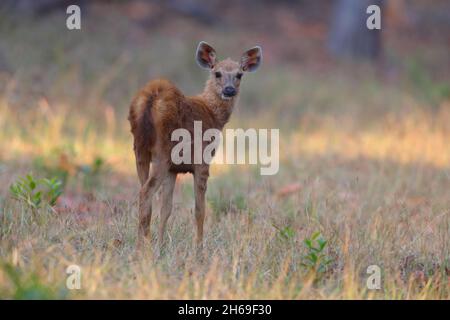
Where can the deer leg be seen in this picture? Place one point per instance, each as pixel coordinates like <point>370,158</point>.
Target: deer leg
<point>145,202</point>
<point>143,160</point>
<point>166,207</point>
<point>200,181</point>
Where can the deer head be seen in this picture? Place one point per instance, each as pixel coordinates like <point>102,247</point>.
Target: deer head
<point>226,75</point>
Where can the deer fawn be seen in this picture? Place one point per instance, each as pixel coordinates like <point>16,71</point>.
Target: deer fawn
<point>159,109</point>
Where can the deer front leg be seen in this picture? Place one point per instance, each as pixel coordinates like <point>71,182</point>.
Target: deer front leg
<point>166,208</point>
<point>145,203</point>
<point>200,183</point>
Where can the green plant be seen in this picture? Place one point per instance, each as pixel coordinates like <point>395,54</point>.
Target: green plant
<point>36,193</point>
<point>316,260</point>
<point>286,233</point>
<point>29,287</point>
<point>54,190</point>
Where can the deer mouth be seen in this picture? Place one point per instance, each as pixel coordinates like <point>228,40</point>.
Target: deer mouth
<point>224,97</point>
<point>227,96</point>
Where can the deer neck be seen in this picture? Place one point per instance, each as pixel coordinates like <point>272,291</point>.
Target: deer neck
<point>220,108</point>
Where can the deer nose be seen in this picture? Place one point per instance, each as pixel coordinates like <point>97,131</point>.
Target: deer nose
<point>229,91</point>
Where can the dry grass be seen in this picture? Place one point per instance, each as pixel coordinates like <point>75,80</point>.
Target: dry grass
<point>369,171</point>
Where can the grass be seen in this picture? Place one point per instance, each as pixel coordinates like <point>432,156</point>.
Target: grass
<point>369,162</point>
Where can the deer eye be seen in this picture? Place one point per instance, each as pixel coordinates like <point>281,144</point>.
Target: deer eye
<point>218,74</point>
<point>239,76</point>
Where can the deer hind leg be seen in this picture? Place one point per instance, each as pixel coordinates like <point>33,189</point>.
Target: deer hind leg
<point>166,207</point>
<point>145,202</point>
<point>143,159</point>
<point>201,175</point>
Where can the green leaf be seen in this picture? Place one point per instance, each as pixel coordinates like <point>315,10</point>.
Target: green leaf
<point>308,243</point>
<point>322,244</point>
<point>315,235</point>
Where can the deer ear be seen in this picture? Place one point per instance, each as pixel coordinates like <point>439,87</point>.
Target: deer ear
<point>206,55</point>
<point>251,59</point>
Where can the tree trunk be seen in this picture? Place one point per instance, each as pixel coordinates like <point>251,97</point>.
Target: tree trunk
<point>349,35</point>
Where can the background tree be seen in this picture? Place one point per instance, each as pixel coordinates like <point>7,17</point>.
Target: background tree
<point>349,36</point>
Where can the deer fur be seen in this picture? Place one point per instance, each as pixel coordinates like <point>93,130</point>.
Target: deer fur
<point>158,109</point>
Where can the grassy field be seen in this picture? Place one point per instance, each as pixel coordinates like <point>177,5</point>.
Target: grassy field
<point>364,176</point>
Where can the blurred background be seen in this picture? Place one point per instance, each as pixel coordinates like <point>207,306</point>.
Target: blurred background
<point>325,74</point>
<point>308,45</point>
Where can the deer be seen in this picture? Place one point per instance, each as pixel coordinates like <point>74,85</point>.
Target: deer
<point>158,109</point>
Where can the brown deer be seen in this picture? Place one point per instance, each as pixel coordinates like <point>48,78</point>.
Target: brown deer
<point>160,108</point>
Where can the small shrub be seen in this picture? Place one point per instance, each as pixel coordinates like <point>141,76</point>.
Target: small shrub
<point>29,287</point>
<point>36,193</point>
<point>316,260</point>
<point>287,233</point>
